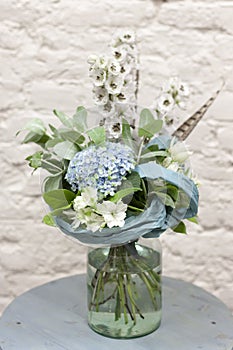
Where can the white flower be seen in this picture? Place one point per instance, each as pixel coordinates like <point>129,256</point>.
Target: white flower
<point>113,213</point>
<point>108,110</point>
<point>88,198</point>
<point>90,219</point>
<point>100,95</point>
<point>164,104</point>
<point>176,87</point>
<point>183,89</point>
<point>98,75</point>
<point>92,59</point>
<point>119,54</point>
<point>114,84</point>
<point>123,36</point>
<point>114,67</point>
<point>179,153</point>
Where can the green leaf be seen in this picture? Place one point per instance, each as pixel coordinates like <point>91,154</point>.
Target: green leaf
<point>66,150</point>
<point>58,211</point>
<point>57,199</point>
<point>123,193</point>
<point>64,119</point>
<point>180,228</point>
<point>36,125</point>
<point>148,126</point>
<point>126,134</point>
<point>154,154</point>
<point>183,200</point>
<point>53,166</point>
<point>80,119</point>
<point>49,220</point>
<point>194,219</point>
<point>72,136</point>
<point>31,137</point>
<point>97,135</point>
<point>52,142</point>
<point>132,180</point>
<point>35,160</point>
<point>52,183</point>
<point>166,199</point>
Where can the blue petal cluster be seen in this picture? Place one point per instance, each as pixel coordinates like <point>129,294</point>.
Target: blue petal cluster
<point>102,167</point>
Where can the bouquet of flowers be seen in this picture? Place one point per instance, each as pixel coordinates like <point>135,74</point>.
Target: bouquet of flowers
<point>124,178</point>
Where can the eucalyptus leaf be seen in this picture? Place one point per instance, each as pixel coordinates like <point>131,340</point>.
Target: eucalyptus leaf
<point>127,135</point>
<point>59,198</point>
<point>52,142</point>
<point>154,154</point>
<point>52,183</point>
<point>72,136</point>
<point>64,119</point>
<point>149,130</point>
<point>31,137</point>
<point>35,160</point>
<point>66,150</point>
<point>36,126</point>
<point>80,119</point>
<point>148,126</point>
<point>123,193</point>
<point>53,166</point>
<point>97,135</point>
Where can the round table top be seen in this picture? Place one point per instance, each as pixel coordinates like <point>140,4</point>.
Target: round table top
<point>53,316</point>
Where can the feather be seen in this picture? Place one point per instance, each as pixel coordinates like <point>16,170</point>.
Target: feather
<point>186,128</point>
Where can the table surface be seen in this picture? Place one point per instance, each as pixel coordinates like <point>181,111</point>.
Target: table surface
<point>53,316</point>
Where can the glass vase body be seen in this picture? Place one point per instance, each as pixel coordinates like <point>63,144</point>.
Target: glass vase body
<point>124,289</point>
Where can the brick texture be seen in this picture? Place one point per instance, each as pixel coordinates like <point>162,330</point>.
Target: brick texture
<point>43,50</point>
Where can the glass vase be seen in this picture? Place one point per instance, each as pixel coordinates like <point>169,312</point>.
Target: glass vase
<point>124,289</point>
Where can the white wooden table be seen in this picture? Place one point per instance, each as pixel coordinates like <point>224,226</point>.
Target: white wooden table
<point>53,317</point>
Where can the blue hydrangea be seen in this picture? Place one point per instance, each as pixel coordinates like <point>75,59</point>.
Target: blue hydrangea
<point>102,167</point>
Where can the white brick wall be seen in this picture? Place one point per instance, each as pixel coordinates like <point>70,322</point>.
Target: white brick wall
<point>43,51</point>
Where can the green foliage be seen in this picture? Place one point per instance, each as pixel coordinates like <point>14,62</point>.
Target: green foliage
<point>148,126</point>
<point>52,183</point>
<point>194,219</point>
<point>64,119</point>
<point>127,135</point>
<point>72,136</point>
<point>123,193</point>
<point>49,220</point>
<point>66,150</point>
<point>58,199</point>
<point>35,160</point>
<point>80,119</point>
<point>97,135</point>
<point>180,228</point>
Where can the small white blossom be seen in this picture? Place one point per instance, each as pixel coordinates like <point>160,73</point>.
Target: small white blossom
<point>119,54</point>
<point>92,59</point>
<point>164,104</point>
<point>179,153</point>
<point>88,198</point>
<point>98,75</point>
<point>114,67</point>
<point>108,110</point>
<point>113,213</point>
<point>101,95</point>
<point>114,84</point>
<point>92,221</point>
<point>123,36</point>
